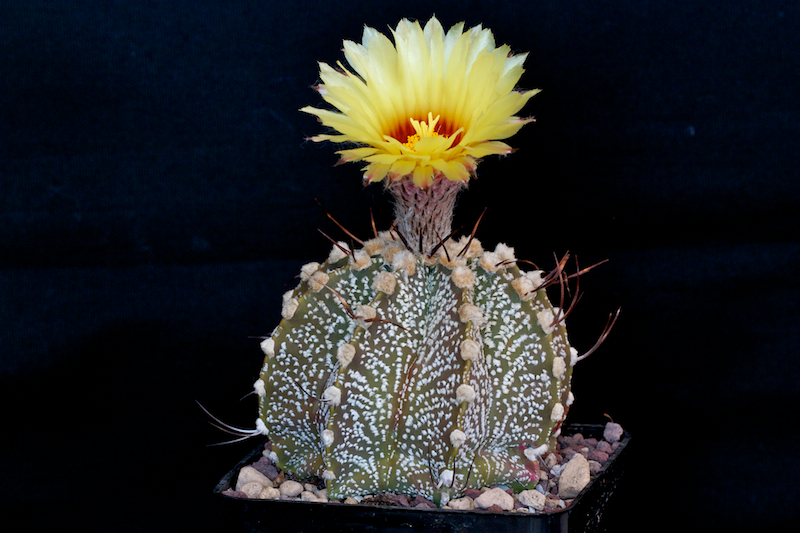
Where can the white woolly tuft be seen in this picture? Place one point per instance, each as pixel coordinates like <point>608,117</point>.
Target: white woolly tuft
<point>559,367</point>
<point>360,260</point>
<point>463,277</point>
<point>557,413</point>
<point>268,347</point>
<point>470,350</point>
<point>374,246</point>
<point>318,280</point>
<point>469,312</point>
<point>404,262</point>
<point>545,319</point>
<point>327,437</point>
<point>465,393</point>
<point>535,277</point>
<point>307,270</point>
<point>445,478</point>
<point>524,287</point>
<point>534,453</point>
<point>489,262</point>
<point>290,308</point>
<point>333,395</point>
<point>505,254</point>
<point>385,282</point>
<point>345,354</point>
<point>457,438</point>
<point>337,254</point>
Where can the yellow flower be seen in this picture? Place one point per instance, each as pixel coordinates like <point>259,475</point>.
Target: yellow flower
<point>430,105</point>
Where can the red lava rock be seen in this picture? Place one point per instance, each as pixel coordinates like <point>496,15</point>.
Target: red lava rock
<point>234,493</point>
<point>266,467</point>
<point>590,442</point>
<point>472,493</point>
<point>402,499</point>
<point>612,432</point>
<point>600,457</point>
<point>569,454</point>
<point>495,509</point>
<point>603,446</point>
<point>422,500</point>
<point>577,438</point>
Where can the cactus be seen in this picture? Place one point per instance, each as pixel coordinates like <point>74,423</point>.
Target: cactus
<point>418,363</point>
<point>392,371</point>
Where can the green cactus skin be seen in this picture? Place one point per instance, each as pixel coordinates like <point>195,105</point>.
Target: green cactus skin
<point>398,373</point>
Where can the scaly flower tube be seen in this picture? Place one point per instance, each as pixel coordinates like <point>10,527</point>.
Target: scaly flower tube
<point>428,106</point>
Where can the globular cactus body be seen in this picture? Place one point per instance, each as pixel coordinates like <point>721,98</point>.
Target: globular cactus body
<point>395,372</point>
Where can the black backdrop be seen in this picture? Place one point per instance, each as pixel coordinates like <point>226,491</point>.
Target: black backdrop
<point>157,195</point>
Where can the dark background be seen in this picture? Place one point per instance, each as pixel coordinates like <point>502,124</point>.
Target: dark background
<point>157,196</point>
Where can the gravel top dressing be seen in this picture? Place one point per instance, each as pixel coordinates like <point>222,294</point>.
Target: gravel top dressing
<point>563,474</point>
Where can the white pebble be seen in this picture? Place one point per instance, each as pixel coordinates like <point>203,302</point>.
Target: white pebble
<point>574,477</point>
<point>497,497</point>
<point>291,489</point>
<point>464,504</point>
<point>249,474</point>
<point>308,496</point>
<point>252,489</point>
<point>532,498</point>
<point>270,493</point>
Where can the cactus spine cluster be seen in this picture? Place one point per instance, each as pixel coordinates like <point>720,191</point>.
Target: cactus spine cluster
<point>416,373</point>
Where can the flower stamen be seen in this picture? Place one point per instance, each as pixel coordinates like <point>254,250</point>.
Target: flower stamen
<point>422,129</point>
